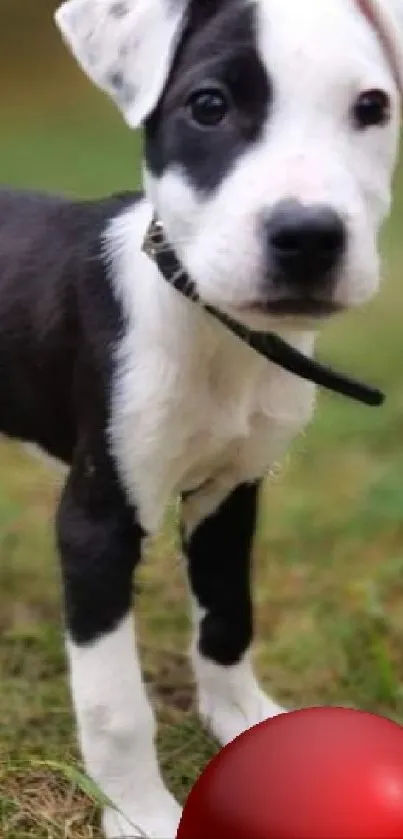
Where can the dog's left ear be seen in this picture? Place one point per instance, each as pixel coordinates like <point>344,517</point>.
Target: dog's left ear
<point>386,16</point>
<point>126,47</point>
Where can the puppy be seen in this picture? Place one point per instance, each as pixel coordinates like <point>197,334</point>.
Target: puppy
<point>270,139</point>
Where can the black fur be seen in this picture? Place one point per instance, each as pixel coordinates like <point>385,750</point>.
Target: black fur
<point>219,45</point>
<point>219,554</point>
<point>59,324</point>
<point>59,318</point>
<point>99,543</point>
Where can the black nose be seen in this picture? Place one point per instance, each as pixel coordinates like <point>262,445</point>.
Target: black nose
<point>306,242</point>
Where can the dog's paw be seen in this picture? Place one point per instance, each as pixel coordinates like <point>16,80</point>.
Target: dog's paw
<point>226,720</point>
<point>230,699</point>
<point>146,820</point>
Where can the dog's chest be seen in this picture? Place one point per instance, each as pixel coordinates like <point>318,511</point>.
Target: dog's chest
<point>234,426</point>
<point>201,420</point>
<point>193,408</point>
<point>249,419</point>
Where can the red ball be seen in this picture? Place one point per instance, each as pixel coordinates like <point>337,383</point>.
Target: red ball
<point>321,773</point>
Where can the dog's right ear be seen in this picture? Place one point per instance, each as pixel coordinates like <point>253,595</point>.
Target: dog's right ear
<point>126,47</point>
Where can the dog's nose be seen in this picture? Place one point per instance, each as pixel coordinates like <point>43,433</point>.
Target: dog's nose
<point>305,241</point>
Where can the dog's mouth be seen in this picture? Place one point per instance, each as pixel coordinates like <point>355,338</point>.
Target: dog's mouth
<point>294,307</point>
<point>267,344</point>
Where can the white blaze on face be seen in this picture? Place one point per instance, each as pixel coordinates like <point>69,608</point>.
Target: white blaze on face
<point>319,65</point>
<point>320,56</point>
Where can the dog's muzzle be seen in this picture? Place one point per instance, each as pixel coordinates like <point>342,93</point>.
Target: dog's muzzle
<point>305,245</point>
<point>267,344</point>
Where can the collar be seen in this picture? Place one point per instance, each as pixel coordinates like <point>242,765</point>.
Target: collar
<point>267,344</point>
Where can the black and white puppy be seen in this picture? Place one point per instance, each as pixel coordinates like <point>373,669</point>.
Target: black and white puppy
<point>271,132</point>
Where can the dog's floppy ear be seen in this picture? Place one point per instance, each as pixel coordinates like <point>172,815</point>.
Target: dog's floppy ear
<point>386,16</point>
<point>126,47</point>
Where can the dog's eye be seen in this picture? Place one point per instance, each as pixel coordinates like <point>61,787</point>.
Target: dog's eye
<point>208,107</point>
<point>371,108</point>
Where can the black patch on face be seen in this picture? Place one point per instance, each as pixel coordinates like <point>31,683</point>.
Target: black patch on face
<point>218,48</point>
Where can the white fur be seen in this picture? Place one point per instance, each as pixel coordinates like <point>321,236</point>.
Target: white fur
<point>386,16</point>
<point>139,45</point>
<point>191,401</point>
<point>117,729</point>
<point>230,699</point>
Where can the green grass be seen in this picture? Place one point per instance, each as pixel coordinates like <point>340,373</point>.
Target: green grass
<point>329,552</point>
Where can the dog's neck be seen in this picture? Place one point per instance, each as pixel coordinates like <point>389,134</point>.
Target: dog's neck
<point>269,345</point>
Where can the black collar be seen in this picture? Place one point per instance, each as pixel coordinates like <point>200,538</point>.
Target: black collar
<point>267,344</point>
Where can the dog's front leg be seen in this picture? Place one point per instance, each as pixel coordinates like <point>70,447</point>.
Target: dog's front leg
<point>218,551</point>
<point>100,544</point>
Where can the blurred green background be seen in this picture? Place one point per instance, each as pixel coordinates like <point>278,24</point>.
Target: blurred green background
<point>329,552</point>
<point>57,132</point>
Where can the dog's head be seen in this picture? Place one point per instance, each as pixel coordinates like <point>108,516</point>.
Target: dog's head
<point>271,131</point>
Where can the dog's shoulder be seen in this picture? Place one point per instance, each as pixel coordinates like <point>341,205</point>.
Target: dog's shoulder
<point>39,229</point>
<point>52,248</point>
<point>59,316</point>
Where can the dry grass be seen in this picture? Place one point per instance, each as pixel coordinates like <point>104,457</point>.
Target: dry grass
<point>44,804</point>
